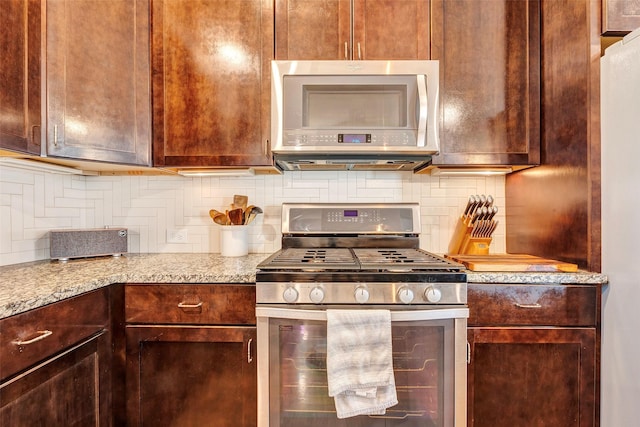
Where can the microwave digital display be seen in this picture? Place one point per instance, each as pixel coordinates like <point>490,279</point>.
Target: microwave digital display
<point>354,138</point>
<point>350,213</point>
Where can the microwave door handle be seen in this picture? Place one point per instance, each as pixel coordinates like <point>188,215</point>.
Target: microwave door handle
<point>421,83</point>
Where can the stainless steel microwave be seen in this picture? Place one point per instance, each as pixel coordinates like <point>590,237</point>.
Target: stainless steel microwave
<point>337,115</point>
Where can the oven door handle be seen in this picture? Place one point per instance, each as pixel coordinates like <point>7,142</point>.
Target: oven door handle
<point>396,316</point>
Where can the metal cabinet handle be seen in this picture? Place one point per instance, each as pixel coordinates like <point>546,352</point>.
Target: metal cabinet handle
<point>186,305</point>
<point>346,50</point>
<point>35,140</point>
<point>249,355</point>
<point>359,52</point>
<point>55,135</point>
<point>41,335</point>
<point>536,305</point>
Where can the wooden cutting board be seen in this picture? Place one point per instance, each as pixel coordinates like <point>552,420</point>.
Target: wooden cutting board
<point>512,262</point>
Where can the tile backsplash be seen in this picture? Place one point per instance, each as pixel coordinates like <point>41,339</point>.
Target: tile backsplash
<point>155,207</point>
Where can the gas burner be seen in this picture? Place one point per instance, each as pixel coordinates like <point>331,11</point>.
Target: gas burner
<point>302,258</point>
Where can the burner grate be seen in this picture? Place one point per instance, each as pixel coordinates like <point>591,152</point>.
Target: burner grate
<point>325,258</point>
<point>400,257</point>
<point>357,259</point>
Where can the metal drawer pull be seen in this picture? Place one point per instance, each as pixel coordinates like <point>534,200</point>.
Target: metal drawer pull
<point>536,305</point>
<point>249,356</point>
<point>346,50</point>
<point>186,305</point>
<point>41,335</point>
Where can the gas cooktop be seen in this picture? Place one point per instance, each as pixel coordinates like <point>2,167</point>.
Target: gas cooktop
<point>357,259</point>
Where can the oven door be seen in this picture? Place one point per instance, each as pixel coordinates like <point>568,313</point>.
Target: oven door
<point>429,360</point>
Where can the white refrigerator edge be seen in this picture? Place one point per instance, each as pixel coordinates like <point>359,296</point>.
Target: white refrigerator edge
<point>620,150</point>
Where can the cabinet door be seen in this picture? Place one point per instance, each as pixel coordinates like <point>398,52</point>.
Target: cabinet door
<point>20,70</point>
<point>211,82</point>
<point>312,29</point>
<point>391,29</point>
<point>191,376</point>
<point>98,100</point>
<point>356,29</point>
<point>532,377</point>
<point>489,81</point>
<point>70,389</point>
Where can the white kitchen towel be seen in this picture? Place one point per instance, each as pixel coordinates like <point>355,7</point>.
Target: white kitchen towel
<point>359,362</point>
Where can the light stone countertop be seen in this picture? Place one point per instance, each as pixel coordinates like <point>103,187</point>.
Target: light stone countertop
<point>34,284</point>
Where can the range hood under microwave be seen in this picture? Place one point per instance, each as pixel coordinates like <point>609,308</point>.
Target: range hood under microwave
<point>354,115</point>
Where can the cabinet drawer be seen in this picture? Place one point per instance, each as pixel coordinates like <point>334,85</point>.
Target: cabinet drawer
<point>553,305</point>
<point>217,304</point>
<point>31,337</point>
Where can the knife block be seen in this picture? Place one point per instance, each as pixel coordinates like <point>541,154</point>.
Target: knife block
<point>462,242</point>
<point>461,231</point>
<point>476,246</point>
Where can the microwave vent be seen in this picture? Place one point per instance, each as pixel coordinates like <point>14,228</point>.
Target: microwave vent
<point>348,163</point>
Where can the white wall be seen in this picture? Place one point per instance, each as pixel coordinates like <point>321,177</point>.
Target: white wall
<point>32,203</point>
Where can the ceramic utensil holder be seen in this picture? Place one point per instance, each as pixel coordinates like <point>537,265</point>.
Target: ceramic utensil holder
<point>234,240</point>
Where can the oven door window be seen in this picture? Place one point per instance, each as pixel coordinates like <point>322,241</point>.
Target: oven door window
<point>423,360</point>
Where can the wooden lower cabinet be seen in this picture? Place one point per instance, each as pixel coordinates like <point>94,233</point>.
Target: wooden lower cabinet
<point>531,377</point>
<point>526,370</point>
<point>55,364</point>
<point>191,376</point>
<point>63,391</point>
<point>188,366</point>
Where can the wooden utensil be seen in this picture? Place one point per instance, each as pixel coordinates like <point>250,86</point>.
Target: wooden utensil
<point>213,213</point>
<point>254,212</point>
<point>247,212</point>
<point>221,219</point>
<point>239,201</point>
<point>236,216</point>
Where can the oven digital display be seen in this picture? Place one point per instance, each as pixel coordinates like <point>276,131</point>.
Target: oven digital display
<point>350,213</point>
<point>354,138</point>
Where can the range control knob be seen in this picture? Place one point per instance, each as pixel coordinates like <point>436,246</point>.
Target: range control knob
<point>361,294</point>
<point>316,295</point>
<point>433,294</point>
<point>290,294</point>
<point>405,294</point>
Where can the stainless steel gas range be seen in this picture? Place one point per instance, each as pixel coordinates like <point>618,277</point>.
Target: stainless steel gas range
<point>359,257</point>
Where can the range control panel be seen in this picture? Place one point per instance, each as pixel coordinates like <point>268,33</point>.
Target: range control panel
<point>352,218</point>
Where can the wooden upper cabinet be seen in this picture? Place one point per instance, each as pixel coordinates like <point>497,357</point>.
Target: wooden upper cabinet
<point>356,29</point>
<point>312,29</point>
<point>391,29</point>
<point>211,82</point>
<point>20,28</point>
<point>489,53</point>
<point>620,17</point>
<point>98,99</point>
